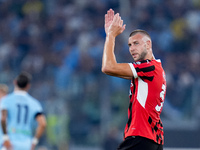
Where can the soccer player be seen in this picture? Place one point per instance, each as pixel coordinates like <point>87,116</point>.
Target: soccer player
<point>144,129</point>
<point>19,110</point>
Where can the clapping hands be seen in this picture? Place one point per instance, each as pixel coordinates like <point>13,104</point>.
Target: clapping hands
<point>113,23</point>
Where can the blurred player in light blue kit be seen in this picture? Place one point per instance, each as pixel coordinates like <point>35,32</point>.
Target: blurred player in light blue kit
<point>19,110</point>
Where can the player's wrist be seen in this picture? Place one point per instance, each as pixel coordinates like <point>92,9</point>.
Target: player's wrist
<point>35,141</point>
<point>110,36</point>
<point>5,137</point>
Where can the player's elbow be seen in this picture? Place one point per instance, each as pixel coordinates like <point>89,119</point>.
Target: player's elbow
<point>106,70</point>
<point>103,69</point>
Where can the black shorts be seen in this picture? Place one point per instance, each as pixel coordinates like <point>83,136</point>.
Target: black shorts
<point>139,143</point>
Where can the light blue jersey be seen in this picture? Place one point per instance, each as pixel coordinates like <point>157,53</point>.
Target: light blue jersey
<point>22,110</point>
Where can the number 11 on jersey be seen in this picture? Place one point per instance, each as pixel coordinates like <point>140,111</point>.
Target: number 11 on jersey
<point>21,115</point>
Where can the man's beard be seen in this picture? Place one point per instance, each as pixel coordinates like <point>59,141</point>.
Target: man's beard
<point>142,55</point>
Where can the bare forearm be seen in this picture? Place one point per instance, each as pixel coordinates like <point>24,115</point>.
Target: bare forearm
<point>3,125</point>
<point>41,126</point>
<point>109,59</point>
<point>3,121</point>
<point>39,131</point>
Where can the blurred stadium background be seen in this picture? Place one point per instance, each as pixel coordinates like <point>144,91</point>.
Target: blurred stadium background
<point>60,42</point>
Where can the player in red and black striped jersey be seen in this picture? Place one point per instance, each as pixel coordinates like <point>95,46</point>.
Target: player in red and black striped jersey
<point>144,129</point>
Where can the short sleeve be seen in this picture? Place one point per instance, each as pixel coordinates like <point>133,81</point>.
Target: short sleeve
<point>38,107</point>
<point>133,70</point>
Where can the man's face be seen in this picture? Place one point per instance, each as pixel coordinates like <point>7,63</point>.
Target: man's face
<point>137,47</point>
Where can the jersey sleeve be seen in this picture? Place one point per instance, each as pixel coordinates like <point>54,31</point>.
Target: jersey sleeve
<point>37,109</point>
<point>133,70</point>
<point>143,69</point>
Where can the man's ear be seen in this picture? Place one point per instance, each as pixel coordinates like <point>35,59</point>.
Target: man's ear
<point>148,44</point>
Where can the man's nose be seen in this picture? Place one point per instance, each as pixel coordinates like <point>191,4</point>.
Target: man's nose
<point>132,48</point>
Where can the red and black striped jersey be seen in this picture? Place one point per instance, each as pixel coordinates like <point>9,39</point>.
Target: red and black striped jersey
<point>147,94</point>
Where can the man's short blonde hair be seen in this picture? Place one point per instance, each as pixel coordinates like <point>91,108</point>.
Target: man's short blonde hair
<point>4,88</point>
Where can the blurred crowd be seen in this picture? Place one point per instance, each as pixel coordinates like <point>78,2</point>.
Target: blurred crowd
<point>60,42</point>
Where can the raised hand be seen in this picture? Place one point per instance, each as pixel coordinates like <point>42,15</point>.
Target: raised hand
<point>113,23</point>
